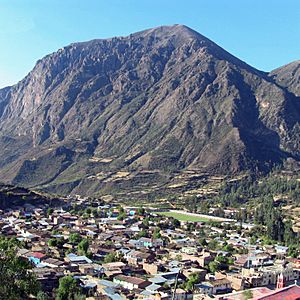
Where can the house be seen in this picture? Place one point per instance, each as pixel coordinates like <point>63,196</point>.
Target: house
<point>166,277</point>
<point>201,272</point>
<point>158,280</point>
<point>237,281</point>
<point>135,257</point>
<point>281,250</point>
<point>180,294</point>
<point>89,288</point>
<point>113,266</point>
<point>149,243</point>
<point>152,268</point>
<point>29,237</point>
<point>57,220</point>
<point>54,263</point>
<point>90,269</point>
<point>23,252</point>
<point>73,258</point>
<point>295,262</point>
<point>182,242</point>
<point>213,287</point>
<point>48,278</point>
<point>205,258</point>
<point>153,288</point>
<point>254,261</point>
<point>35,257</point>
<point>131,283</point>
<point>109,289</point>
<point>113,269</point>
<point>189,250</point>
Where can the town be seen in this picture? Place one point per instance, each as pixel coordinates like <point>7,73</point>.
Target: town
<point>117,252</point>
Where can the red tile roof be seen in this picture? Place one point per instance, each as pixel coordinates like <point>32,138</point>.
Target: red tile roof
<point>37,254</point>
<point>291,292</point>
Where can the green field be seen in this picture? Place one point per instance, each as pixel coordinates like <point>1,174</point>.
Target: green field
<point>183,217</point>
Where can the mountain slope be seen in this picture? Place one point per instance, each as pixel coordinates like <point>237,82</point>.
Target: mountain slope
<point>288,76</point>
<point>163,99</point>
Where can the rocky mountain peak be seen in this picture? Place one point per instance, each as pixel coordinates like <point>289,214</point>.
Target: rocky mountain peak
<point>165,99</point>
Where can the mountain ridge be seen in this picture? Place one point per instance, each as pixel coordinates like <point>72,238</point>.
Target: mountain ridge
<point>166,98</point>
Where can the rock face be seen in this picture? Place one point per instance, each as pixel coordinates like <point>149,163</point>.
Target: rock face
<point>288,77</point>
<point>166,98</point>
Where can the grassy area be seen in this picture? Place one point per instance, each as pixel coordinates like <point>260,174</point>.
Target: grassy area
<point>183,217</point>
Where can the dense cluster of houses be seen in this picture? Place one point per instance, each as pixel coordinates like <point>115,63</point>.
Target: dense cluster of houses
<point>128,258</point>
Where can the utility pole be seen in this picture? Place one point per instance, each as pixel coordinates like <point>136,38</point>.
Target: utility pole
<point>248,257</point>
<point>175,287</point>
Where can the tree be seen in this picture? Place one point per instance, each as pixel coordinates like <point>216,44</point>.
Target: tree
<point>203,242</point>
<point>121,216</point>
<point>294,251</point>
<point>204,207</point>
<point>178,257</point>
<point>213,266</point>
<point>275,226</point>
<point>85,215</point>
<point>142,233</point>
<point>108,243</point>
<point>75,238</point>
<point>212,245</point>
<point>42,296</point>
<point>146,223</point>
<point>228,248</point>
<point>289,234</point>
<point>17,282</point>
<point>221,259</point>
<point>50,211</point>
<point>83,247</point>
<point>110,257</point>
<point>253,240</point>
<point>190,227</point>
<point>95,212</point>
<point>223,262</point>
<point>166,286</point>
<point>52,243</point>
<point>191,203</point>
<point>141,211</point>
<point>175,223</point>
<point>192,280</point>
<point>68,289</point>
<point>88,210</point>
<point>156,233</point>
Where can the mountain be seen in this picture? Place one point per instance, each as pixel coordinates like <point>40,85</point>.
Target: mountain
<point>288,77</point>
<point>140,108</point>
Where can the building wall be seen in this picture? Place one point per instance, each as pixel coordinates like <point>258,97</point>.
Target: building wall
<point>267,276</point>
<point>125,284</point>
<point>150,268</point>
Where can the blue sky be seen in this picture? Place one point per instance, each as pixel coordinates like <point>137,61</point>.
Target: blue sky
<point>264,33</point>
